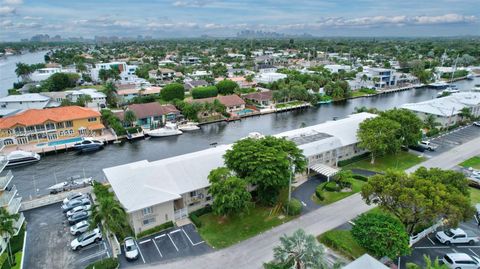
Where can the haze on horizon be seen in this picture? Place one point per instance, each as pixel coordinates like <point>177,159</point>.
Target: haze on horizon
<point>194,18</point>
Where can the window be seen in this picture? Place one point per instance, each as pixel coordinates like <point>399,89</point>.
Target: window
<point>40,128</point>
<point>30,129</point>
<point>193,194</point>
<point>69,123</point>
<point>8,141</point>
<point>50,126</point>
<point>60,125</point>
<point>147,211</point>
<point>148,221</point>
<point>92,119</point>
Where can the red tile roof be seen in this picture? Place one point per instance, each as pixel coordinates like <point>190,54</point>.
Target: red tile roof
<point>259,96</point>
<point>227,100</point>
<point>39,116</point>
<point>150,109</point>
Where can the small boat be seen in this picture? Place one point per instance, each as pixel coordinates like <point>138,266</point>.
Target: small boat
<point>169,129</point>
<point>438,85</point>
<point>188,126</point>
<point>88,145</point>
<point>74,182</point>
<point>476,88</point>
<point>19,157</point>
<point>470,76</point>
<point>448,91</point>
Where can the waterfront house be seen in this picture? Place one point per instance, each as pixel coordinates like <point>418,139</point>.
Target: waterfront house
<point>262,99</point>
<point>27,101</point>
<point>51,124</point>
<point>152,114</point>
<point>126,95</point>
<point>447,110</point>
<point>231,102</point>
<point>98,99</point>
<point>190,84</point>
<point>157,192</point>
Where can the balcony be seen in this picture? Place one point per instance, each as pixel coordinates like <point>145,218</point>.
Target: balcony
<point>14,206</point>
<point>7,196</point>
<point>3,162</point>
<point>5,179</point>
<point>18,224</point>
<point>2,145</point>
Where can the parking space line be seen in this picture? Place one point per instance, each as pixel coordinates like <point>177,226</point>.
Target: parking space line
<point>91,256</point>
<point>176,231</point>
<point>145,241</point>
<point>431,247</point>
<point>468,247</point>
<point>88,247</point>
<point>139,251</point>
<point>159,236</point>
<point>172,242</point>
<point>157,248</point>
<point>106,249</point>
<point>429,239</point>
<point>193,244</point>
<point>454,250</point>
<point>474,254</point>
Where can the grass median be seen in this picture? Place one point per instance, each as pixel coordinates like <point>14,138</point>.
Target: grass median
<point>400,161</point>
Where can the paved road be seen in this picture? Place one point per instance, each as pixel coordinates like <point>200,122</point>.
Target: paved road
<point>253,252</point>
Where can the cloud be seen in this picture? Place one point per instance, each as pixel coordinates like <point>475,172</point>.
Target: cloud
<point>31,18</point>
<point>6,10</point>
<point>191,3</point>
<point>13,2</point>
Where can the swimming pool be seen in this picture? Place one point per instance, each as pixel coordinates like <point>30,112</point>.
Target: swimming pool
<point>244,112</point>
<point>60,142</point>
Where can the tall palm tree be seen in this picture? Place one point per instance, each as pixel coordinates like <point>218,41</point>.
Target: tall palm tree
<point>466,113</point>
<point>299,251</point>
<point>430,122</point>
<point>23,70</point>
<point>7,229</point>
<point>110,213</point>
<point>110,90</point>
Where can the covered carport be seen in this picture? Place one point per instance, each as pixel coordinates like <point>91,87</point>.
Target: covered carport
<point>324,170</point>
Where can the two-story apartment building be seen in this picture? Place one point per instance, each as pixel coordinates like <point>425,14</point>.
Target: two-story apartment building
<point>44,125</point>
<point>8,199</point>
<point>26,101</point>
<point>154,193</point>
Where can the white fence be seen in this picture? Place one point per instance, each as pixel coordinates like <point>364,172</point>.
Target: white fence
<point>414,239</point>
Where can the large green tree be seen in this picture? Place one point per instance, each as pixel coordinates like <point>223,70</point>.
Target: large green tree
<point>379,136</point>
<point>298,251</point>
<point>420,198</point>
<point>60,81</point>
<point>110,90</point>
<point>226,87</point>
<point>24,71</point>
<point>381,234</point>
<point>230,194</point>
<point>411,125</point>
<point>173,91</point>
<point>7,229</point>
<point>265,163</point>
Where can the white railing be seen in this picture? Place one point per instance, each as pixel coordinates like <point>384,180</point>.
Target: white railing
<point>7,196</point>
<point>5,178</point>
<point>415,238</point>
<point>15,205</point>
<point>3,162</point>
<point>18,224</point>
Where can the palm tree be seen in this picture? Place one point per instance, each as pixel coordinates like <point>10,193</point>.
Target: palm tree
<point>466,113</point>
<point>7,229</point>
<point>110,91</point>
<point>299,251</point>
<point>130,117</point>
<point>430,122</point>
<point>108,212</point>
<point>23,71</point>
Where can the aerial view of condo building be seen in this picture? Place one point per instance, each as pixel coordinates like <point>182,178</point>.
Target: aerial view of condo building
<point>239,134</point>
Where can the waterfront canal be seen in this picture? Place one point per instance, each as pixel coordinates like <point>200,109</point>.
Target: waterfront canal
<point>35,179</point>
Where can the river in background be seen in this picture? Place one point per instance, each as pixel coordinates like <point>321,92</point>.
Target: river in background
<point>7,68</point>
<point>35,179</point>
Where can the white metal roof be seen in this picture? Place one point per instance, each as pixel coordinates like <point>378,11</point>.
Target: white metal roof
<point>324,169</point>
<point>28,97</point>
<point>365,261</point>
<point>446,106</point>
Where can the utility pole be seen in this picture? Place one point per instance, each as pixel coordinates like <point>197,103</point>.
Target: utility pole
<point>292,172</point>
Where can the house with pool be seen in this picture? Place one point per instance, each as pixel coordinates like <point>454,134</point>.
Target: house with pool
<point>151,115</point>
<point>51,126</point>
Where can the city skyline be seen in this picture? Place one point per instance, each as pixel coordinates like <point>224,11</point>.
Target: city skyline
<point>193,18</point>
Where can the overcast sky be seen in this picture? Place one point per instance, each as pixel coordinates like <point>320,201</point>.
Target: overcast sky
<point>190,18</point>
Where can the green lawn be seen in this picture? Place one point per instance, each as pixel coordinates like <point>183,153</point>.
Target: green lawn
<point>400,161</point>
<point>474,196</point>
<point>472,162</point>
<point>289,104</point>
<point>358,94</point>
<point>18,259</point>
<point>97,87</point>
<point>331,197</point>
<point>343,242</point>
<point>220,233</point>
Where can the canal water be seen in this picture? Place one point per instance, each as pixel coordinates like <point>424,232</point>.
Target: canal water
<point>34,180</point>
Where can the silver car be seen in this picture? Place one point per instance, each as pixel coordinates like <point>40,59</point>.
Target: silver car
<point>130,248</point>
<point>80,227</point>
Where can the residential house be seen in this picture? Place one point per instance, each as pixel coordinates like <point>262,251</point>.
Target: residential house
<point>190,84</point>
<point>50,124</point>
<point>269,77</point>
<point>366,261</point>
<point>27,101</point>
<point>447,110</point>
<point>262,99</point>
<point>190,60</point>
<point>265,68</point>
<point>152,115</point>
<point>127,72</point>
<point>231,102</point>
<point>126,95</point>
<point>9,199</point>
<point>99,99</point>
<point>162,74</point>
<point>154,193</point>
<point>335,68</point>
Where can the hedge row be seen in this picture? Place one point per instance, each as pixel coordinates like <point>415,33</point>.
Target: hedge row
<point>195,215</point>
<point>109,263</point>
<point>155,229</point>
<point>204,92</point>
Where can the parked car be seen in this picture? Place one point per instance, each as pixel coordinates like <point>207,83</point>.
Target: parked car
<point>455,236</point>
<point>477,123</point>
<point>74,196</point>
<point>131,251</point>
<point>77,217</point>
<point>80,227</point>
<point>417,147</point>
<point>86,239</point>
<point>74,203</point>
<point>78,209</point>
<point>428,145</point>
<point>460,261</point>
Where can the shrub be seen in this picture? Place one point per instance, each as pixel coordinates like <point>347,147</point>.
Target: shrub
<point>226,86</point>
<point>360,177</point>
<point>113,122</point>
<point>319,192</point>
<point>133,130</point>
<point>109,263</point>
<point>204,92</point>
<point>331,186</point>
<point>293,208</point>
<point>173,91</point>
<point>202,211</point>
<point>196,220</point>
<point>155,229</point>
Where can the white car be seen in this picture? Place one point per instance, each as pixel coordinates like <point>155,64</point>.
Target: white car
<point>131,251</point>
<point>460,261</point>
<point>74,196</point>
<point>455,236</point>
<point>79,228</point>
<point>78,209</point>
<point>477,123</point>
<point>86,239</point>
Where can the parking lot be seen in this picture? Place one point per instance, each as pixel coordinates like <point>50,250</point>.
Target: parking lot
<point>452,139</point>
<point>430,246</point>
<point>48,242</point>
<point>177,242</point>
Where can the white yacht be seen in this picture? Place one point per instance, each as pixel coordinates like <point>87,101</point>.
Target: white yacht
<point>189,126</point>
<point>448,91</point>
<point>438,84</point>
<point>169,129</point>
<point>476,88</point>
<point>19,157</point>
